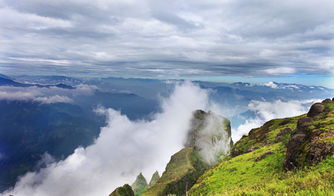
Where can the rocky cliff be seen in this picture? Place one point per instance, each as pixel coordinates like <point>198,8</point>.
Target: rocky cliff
<point>209,139</point>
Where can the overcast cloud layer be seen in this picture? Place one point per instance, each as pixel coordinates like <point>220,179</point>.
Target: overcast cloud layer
<point>167,38</point>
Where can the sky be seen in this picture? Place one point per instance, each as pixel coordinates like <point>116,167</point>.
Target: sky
<point>255,40</point>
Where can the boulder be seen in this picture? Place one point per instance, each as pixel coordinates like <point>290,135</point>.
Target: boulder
<point>320,148</point>
<point>293,150</point>
<point>316,109</point>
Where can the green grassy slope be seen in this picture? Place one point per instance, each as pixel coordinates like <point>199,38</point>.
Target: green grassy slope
<point>257,162</point>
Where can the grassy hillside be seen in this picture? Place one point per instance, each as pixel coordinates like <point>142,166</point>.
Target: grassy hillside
<point>291,156</point>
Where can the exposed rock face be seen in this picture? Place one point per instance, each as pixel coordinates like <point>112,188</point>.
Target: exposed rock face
<point>210,135</point>
<point>125,190</point>
<point>140,185</point>
<point>311,142</point>
<point>154,179</point>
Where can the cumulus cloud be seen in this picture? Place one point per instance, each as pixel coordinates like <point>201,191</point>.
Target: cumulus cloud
<point>141,38</point>
<point>123,149</point>
<point>265,111</point>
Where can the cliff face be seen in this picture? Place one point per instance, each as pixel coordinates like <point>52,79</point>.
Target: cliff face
<point>292,156</point>
<point>210,135</point>
<point>209,138</point>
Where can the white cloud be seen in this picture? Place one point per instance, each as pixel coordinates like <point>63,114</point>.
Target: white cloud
<point>280,70</point>
<point>266,111</point>
<point>54,99</point>
<point>44,95</point>
<point>123,149</point>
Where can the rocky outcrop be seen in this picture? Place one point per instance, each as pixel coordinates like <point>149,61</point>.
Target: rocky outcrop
<point>312,141</point>
<point>125,190</point>
<point>210,135</point>
<point>209,138</point>
<point>316,109</point>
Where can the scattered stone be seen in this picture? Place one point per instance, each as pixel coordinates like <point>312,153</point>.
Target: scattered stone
<point>316,109</point>
<point>263,156</point>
